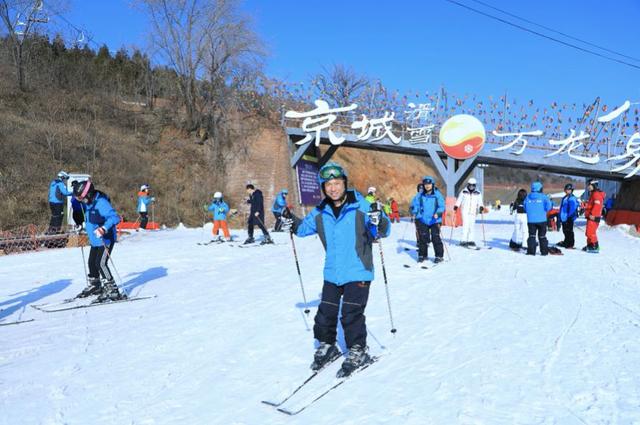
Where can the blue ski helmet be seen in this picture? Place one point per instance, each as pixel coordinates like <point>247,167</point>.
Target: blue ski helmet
<point>536,186</point>
<point>428,180</point>
<point>331,170</point>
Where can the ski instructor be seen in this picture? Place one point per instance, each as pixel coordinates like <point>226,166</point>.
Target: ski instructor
<point>347,225</point>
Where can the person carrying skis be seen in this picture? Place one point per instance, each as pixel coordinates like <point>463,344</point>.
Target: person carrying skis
<point>279,204</point>
<point>593,213</point>
<point>57,198</point>
<point>431,208</point>
<point>143,205</point>
<point>395,211</point>
<point>568,214</point>
<point>470,202</point>
<point>371,195</point>
<point>100,223</point>
<point>256,215</point>
<point>219,209</point>
<point>519,222</point>
<point>347,225</point>
<point>536,205</point>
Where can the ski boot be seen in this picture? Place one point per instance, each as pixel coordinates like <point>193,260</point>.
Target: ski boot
<point>324,354</point>
<point>249,240</point>
<point>438,260</point>
<point>464,244</point>
<point>356,358</point>
<point>110,292</point>
<point>562,244</point>
<point>267,240</point>
<point>93,288</point>
<point>471,244</point>
<point>421,259</point>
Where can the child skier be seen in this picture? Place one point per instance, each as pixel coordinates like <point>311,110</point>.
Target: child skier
<point>219,209</point>
<point>519,222</point>
<point>57,198</point>
<point>100,224</point>
<point>279,204</point>
<point>536,205</point>
<point>431,207</point>
<point>143,205</point>
<point>568,214</point>
<point>593,213</point>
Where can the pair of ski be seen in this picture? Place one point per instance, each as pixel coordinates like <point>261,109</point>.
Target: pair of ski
<point>78,303</point>
<point>16,322</point>
<point>216,242</point>
<point>255,245</point>
<point>323,391</point>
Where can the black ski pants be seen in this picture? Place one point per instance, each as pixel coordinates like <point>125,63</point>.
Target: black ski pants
<point>144,219</point>
<point>426,235</point>
<point>56,217</point>
<point>541,230</point>
<point>278,226</point>
<point>99,261</point>
<point>257,221</point>
<point>354,300</point>
<point>569,237</point>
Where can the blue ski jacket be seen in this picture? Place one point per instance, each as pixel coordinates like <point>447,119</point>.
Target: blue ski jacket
<point>279,204</point>
<point>536,205</point>
<point>58,191</point>
<point>569,208</point>
<point>143,202</point>
<point>347,239</point>
<point>414,206</point>
<point>100,213</point>
<point>428,205</point>
<point>219,209</point>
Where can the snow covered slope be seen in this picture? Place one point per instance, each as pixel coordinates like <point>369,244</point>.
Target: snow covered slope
<point>489,337</point>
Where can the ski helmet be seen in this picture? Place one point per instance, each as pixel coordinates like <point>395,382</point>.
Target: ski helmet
<point>371,190</point>
<point>217,195</point>
<point>428,180</point>
<point>284,191</point>
<point>536,186</point>
<point>472,182</point>
<point>63,175</point>
<point>594,183</point>
<point>144,187</point>
<point>330,171</point>
<point>568,186</point>
<point>419,187</point>
<point>84,190</point>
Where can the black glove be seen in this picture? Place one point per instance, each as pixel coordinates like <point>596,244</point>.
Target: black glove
<point>481,209</point>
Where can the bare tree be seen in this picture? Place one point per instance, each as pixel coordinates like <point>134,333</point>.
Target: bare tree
<point>340,84</point>
<point>202,41</point>
<point>20,19</point>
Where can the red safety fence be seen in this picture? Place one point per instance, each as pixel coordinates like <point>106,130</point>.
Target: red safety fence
<point>37,237</point>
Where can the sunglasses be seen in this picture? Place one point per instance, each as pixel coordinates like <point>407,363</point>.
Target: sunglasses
<point>331,172</point>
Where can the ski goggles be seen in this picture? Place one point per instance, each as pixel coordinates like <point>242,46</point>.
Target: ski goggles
<point>329,172</point>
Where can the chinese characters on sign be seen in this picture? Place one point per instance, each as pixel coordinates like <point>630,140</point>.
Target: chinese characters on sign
<point>419,127</point>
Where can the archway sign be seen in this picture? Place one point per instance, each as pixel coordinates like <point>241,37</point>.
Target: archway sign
<point>456,146</point>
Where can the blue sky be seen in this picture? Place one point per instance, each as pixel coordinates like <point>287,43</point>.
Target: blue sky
<point>422,45</point>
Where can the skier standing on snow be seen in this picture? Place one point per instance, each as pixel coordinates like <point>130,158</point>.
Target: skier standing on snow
<point>519,222</point>
<point>143,205</point>
<point>414,209</point>
<point>57,198</point>
<point>568,214</point>
<point>395,211</point>
<point>100,223</point>
<point>256,215</point>
<point>279,205</point>
<point>347,225</point>
<point>219,209</point>
<point>431,207</point>
<point>371,195</point>
<point>470,202</point>
<point>593,213</point>
<point>536,205</point>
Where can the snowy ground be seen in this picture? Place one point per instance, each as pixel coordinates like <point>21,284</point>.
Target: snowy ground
<point>490,337</point>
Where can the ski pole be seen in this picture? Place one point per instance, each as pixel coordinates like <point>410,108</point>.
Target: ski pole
<point>386,286</point>
<point>295,255</point>
<point>114,267</point>
<point>484,239</point>
<point>84,264</point>
<point>453,226</point>
<point>446,249</point>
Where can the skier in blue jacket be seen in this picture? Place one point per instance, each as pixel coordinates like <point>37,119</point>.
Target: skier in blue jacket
<point>347,225</point>
<point>57,197</point>
<point>279,205</point>
<point>431,207</point>
<point>568,214</point>
<point>144,200</point>
<point>536,205</point>
<point>100,224</point>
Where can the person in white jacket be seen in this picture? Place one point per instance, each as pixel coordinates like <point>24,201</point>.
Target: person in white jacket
<point>470,203</point>
<point>520,231</point>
